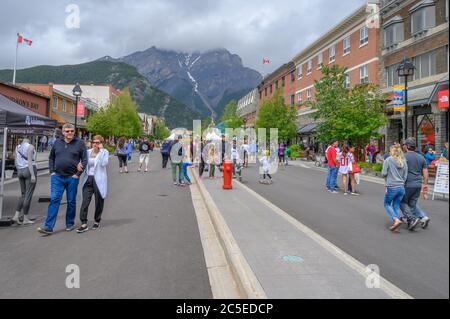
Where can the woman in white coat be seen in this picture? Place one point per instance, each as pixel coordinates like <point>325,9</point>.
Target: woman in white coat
<point>95,182</point>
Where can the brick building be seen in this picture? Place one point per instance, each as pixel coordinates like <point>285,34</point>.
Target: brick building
<point>354,44</point>
<point>62,105</point>
<point>417,30</point>
<point>283,79</point>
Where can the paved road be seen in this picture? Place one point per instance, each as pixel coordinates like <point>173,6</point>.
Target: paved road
<point>416,262</point>
<point>148,246</point>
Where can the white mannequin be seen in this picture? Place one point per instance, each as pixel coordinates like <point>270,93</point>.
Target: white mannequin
<point>31,168</point>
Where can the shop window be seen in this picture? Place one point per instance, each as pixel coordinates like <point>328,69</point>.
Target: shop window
<point>425,132</point>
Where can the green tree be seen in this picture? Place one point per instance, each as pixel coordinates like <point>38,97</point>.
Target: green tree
<point>119,118</point>
<point>274,113</point>
<point>161,131</point>
<point>206,122</point>
<point>353,115</point>
<point>230,116</point>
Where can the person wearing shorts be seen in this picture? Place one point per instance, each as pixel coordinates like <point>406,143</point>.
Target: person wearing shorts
<point>144,154</point>
<point>345,167</point>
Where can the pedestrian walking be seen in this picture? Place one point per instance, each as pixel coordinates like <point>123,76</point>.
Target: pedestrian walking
<point>287,154</point>
<point>281,155</point>
<point>234,157</point>
<point>395,172</point>
<point>354,173</point>
<point>43,143</point>
<point>144,156</point>
<point>245,150</point>
<point>27,174</point>
<point>202,164</point>
<point>176,153</point>
<point>122,155</point>
<point>95,182</point>
<point>67,161</point>
<point>417,179</point>
<point>331,155</point>
<point>165,153</point>
<point>264,169</point>
<point>213,157</point>
<point>186,163</point>
<point>130,148</point>
<point>345,167</point>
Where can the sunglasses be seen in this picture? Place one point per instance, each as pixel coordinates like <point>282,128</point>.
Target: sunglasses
<point>95,142</point>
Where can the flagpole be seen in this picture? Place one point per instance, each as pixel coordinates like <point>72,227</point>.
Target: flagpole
<point>15,62</point>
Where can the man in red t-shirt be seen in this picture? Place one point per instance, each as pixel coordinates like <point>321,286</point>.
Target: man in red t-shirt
<point>331,155</point>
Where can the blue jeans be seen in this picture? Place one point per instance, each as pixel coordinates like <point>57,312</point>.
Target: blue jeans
<point>58,185</point>
<point>420,213</point>
<point>392,199</point>
<point>332,177</point>
<point>185,172</point>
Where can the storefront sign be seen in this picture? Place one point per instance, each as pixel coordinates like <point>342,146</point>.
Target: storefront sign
<point>443,99</point>
<point>441,182</point>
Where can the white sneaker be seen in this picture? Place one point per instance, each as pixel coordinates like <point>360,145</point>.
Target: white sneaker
<point>424,222</point>
<point>16,218</point>
<point>27,221</point>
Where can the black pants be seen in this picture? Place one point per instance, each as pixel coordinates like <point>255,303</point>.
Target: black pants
<point>122,159</point>
<point>89,189</point>
<point>201,168</point>
<point>165,159</point>
<point>409,202</point>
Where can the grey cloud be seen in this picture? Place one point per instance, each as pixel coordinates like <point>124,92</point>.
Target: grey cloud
<point>253,29</point>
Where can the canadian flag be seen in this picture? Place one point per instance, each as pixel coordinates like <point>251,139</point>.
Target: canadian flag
<point>266,61</point>
<point>21,39</point>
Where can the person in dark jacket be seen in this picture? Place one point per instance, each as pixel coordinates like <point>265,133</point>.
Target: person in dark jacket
<point>67,161</point>
<point>165,153</point>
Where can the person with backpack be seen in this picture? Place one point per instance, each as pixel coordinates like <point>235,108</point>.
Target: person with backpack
<point>144,156</point>
<point>122,154</point>
<point>27,173</point>
<point>165,153</point>
<point>176,153</point>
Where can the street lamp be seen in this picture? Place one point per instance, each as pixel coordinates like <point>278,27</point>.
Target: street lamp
<point>77,93</point>
<point>405,69</point>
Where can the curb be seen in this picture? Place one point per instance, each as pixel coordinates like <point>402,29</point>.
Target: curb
<point>246,280</point>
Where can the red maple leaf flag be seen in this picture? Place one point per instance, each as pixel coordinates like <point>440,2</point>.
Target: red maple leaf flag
<point>266,61</point>
<point>21,39</point>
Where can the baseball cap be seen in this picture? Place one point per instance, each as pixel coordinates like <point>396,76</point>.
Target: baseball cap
<point>410,142</point>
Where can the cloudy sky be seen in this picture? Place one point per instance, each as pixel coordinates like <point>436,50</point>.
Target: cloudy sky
<point>253,29</point>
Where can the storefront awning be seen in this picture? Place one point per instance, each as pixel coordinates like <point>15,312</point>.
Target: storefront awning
<point>307,129</point>
<point>424,95</point>
<point>62,118</point>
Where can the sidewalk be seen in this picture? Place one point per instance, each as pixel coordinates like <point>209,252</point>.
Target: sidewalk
<point>288,259</point>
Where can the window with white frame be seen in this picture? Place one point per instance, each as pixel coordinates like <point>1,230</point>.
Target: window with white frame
<point>332,53</point>
<point>309,66</point>
<point>363,35</point>
<point>55,102</point>
<point>423,18</point>
<point>346,45</point>
<point>300,71</point>
<point>319,60</point>
<point>425,65</point>
<point>299,98</point>
<point>309,94</point>
<point>364,74</point>
<point>392,77</point>
<point>393,34</point>
<point>64,106</point>
<point>347,80</point>
<point>72,107</point>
